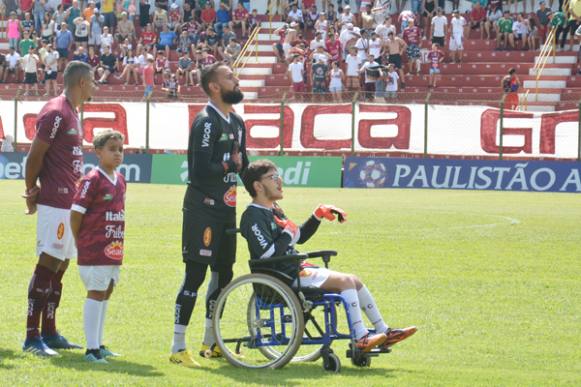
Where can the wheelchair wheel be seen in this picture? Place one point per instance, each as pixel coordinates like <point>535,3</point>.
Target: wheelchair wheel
<point>332,363</point>
<point>361,360</point>
<point>258,322</point>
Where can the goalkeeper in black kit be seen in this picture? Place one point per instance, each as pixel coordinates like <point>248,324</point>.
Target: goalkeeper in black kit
<point>216,155</point>
<point>270,233</point>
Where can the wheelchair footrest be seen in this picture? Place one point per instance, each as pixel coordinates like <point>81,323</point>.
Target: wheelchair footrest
<point>374,352</point>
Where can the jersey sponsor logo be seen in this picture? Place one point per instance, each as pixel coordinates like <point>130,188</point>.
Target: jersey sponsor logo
<point>230,177</point>
<point>114,250</point>
<point>207,237</point>
<point>107,197</point>
<point>209,201</point>
<point>230,197</point>
<point>60,231</point>
<point>206,135</point>
<point>77,167</point>
<point>259,237</point>
<point>55,126</point>
<point>115,232</point>
<point>72,132</point>
<point>205,253</point>
<point>85,189</point>
<point>273,226</point>
<point>77,151</point>
<point>224,137</point>
<point>111,216</point>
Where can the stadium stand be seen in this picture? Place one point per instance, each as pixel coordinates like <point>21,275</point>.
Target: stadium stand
<point>476,80</point>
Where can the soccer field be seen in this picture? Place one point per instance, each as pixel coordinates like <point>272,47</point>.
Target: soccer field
<point>491,279</point>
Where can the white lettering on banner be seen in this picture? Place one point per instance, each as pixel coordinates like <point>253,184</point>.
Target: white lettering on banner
<point>535,174</point>
<point>452,130</point>
<point>573,178</point>
<point>12,170</point>
<point>259,237</point>
<point>296,175</point>
<point>401,171</point>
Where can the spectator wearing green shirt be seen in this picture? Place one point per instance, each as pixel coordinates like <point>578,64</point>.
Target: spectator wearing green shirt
<point>543,15</point>
<point>505,37</point>
<point>25,44</point>
<point>559,21</point>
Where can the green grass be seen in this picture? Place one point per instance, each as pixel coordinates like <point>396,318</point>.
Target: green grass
<point>491,279</point>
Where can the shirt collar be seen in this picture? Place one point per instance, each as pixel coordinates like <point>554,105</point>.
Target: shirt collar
<point>113,181</point>
<point>211,104</point>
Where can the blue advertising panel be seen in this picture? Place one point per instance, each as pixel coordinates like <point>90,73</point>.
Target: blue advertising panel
<point>502,175</point>
<point>136,167</point>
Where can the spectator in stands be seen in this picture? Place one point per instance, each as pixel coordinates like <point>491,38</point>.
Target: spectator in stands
<point>184,69</point>
<point>82,29</point>
<point>317,42</point>
<point>166,41</point>
<point>428,12</point>
<point>370,71</point>
<point>80,55</point>
<point>25,44</point>
<point>144,10</point>
<point>319,75</point>
<point>184,43</point>
<point>96,29</point>
<point>367,19</point>
<point>477,18</point>
<point>148,37</point>
<point>7,144</point>
<point>171,86</point>
<point>504,37</point>
<point>59,17</point>
<point>348,37</point>
<point>352,69</point>
<point>240,18</point>
<point>439,23</point>
<point>394,48</point>
<point>3,66</point>
<point>520,31</point>
<point>391,82</point>
<point>232,51</point>
<point>296,15</point>
<point>206,59</point>
<point>89,11</point>
<point>47,28</point>
<point>457,25</point>
<point>160,18</point>
<point>412,35</point>
<point>296,70</point>
<point>493,15</point>
<point>543,15</point>
<point>346,18</point>
<point>175,16</point>
<point>125,29</point>
<point>331,15</point>
<point>148,78</point>
<point>208,15</point>
<point>188,13</point>
<point>108,12</point>
<point>333,47</point>
<point>375,46</point>
<point>107,39</point>
<point>211,41</point>
<point>71,14</point>
<point>253,20</point>
<point>13,30</point>
<point>130,68</point>
<point>404,18</point>
<point>27,25</point>
<point>93,59</point>
<point>311,17</point>
<point>336,81</point>
<point>223,19</point>
<point>107,65</point>
<point>13,65</point>
<point>322,25</point>
<point>279,47</point>
<point>559,21</point>
<point>38,12</point>
<point>50,60</point>
<point>30,64</point>
<point>161,63</point>
<point>384,28</point>
<point>533,32</point>
<point>2,9</point>
<point>435,58</point>
<point>227,35</point>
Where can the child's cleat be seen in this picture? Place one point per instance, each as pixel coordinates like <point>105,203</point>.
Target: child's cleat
<point>368,342</point>
<point>106,352</point>
<point>95,357</point>
<point>210,352</point>
<point>59,342</point>
<point>37,346</point>
<point>184,358</point>
<point>394,336</point>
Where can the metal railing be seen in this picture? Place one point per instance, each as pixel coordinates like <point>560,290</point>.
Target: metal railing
<point>245,53</point>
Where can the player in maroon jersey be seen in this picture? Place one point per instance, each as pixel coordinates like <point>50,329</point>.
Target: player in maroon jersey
<point>55,160</point>
<point>98,225</point>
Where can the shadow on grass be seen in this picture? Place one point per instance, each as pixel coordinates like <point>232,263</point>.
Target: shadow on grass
<point>7,354</point>
<point>77,362</point>
<point>293,374</point>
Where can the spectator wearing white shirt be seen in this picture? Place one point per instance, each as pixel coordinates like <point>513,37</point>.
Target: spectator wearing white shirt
<point>375,46</point>
<point>362,46</point>
<point>384,28</point>
<point>12,65</point>
<point>520,30</point>
<point>296,70</point>
<point>370,70</point>
<point>439,24</point>
<point>492,16</point>
<point>7,144</point>
<point>317,42</point>
<point>391,80</point>
<point>457,25</point>
<point>346,17</point>
<point>106,39</point>
<point>30,66</point>
<point>348,38</point>
<point>296,15</point>
<point>320,56</point>
<point>50,69</point>
<point>352,68</point>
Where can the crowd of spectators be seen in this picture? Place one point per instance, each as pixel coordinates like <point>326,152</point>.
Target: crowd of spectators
<point>372,51</point>
<point>140,42</point>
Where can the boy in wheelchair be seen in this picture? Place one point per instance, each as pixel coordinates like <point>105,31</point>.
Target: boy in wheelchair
<point>270,233</point>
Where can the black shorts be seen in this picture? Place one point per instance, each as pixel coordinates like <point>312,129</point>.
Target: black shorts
<point>205,240</point>
<point>30,78</point>
<point>81,39</point>
<point>50,76</point>
<point>396,60</point>
<point>439,40</point>
<point>63,52</point>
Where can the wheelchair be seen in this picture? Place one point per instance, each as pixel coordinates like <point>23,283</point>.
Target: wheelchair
<point>261,320</point>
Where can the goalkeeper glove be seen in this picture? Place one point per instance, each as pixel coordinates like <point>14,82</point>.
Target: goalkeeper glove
<point>328,212</point>
<point>290,228</point>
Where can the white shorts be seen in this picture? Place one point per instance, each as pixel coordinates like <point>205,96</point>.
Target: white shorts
<point>53,233</point>
<point>456,42</point>
<point>313,277</point>
<point>99,277</point>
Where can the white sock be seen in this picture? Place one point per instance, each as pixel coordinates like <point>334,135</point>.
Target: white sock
<point>371,310</point>
<point>104,305</point>
<point>354,312</point>
<point>91,321</point>
<point>209,333</point>
<point>179,338</point>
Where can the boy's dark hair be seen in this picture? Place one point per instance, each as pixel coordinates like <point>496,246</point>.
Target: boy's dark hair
<point>101,139</point>
<point>74,71</point>
<point>255,171</point>
<point>210,74</point>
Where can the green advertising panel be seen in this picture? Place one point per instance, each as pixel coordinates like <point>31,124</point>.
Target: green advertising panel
<point>295,171</point>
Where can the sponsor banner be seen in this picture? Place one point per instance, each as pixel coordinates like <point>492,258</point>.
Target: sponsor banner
<point>295,171</point>
<point>452,130</point>
<point>136,168</point>
<point>308,171</point>
<point>539,176</point>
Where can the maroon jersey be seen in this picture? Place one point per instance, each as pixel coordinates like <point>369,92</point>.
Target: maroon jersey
<point>434,58</point>
<point>102,201</point>
<point>210,59</point>
<point>411,35</point>
<point>58,125</point>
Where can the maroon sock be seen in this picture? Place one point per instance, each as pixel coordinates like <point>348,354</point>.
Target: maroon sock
<point>52,303</point>
<point>38,290</point>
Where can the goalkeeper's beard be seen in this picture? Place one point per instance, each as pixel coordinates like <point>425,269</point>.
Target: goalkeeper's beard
<point>231,97</point>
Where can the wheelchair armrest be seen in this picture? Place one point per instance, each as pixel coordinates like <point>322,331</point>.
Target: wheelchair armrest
<point>325,254</point>
<point>283,258</point>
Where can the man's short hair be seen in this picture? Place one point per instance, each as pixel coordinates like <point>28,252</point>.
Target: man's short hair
<point>101,138</point>
<point>255,171</point>
<point>210,74</point>
<point>74,71</point>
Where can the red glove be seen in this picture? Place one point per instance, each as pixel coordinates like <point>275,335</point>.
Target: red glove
<point>328,211</point>
<point>290,228</point>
